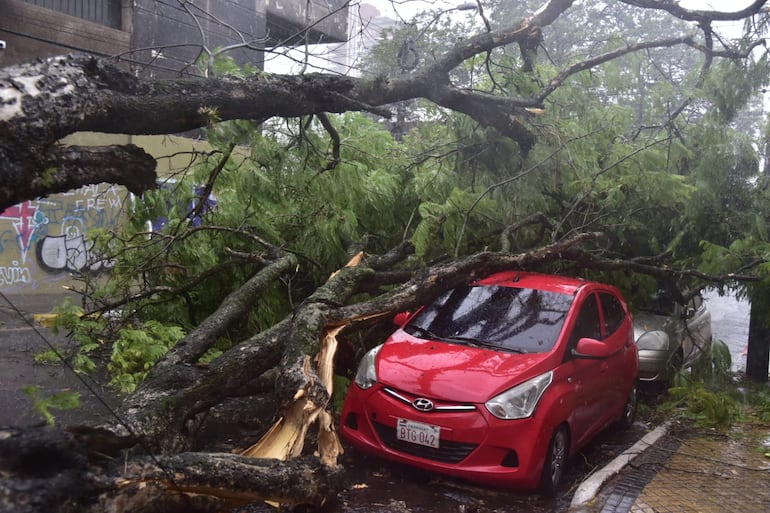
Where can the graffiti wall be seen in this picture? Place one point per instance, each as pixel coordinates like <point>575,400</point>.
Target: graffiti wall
<point>44,241</point>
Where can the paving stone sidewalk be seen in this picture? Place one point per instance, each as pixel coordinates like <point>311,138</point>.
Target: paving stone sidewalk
<point>696,472</point>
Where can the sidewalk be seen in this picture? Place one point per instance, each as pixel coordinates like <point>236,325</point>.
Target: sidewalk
<point>27,305</point>
<point>693,471</point>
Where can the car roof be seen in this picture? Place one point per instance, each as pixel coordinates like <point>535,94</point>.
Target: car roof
<point>538,281</point>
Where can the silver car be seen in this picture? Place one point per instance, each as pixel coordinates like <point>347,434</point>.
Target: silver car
<point>670,336</point>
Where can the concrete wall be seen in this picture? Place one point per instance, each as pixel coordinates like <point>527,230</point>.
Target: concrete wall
<point>286,18</point>
<point>167,39</point>
<point>44,241</point>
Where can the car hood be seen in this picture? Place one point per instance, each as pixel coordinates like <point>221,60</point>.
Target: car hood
<point>453,372</point>
<point>644,322</point>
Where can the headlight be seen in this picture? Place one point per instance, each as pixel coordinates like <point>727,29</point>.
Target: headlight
<point>366,376</point>
<point>520,401</point>
<point>653,341</point>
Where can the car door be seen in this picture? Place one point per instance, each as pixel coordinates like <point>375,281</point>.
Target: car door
<point>615,332</point>
<point>585,374</point>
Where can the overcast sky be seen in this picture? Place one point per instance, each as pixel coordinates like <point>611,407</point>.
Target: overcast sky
<point>406,9</point>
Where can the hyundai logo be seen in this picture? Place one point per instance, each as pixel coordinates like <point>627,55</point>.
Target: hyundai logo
<point>422,404</point>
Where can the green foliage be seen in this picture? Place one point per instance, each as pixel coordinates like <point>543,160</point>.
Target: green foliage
<point>43,404</point>
<point>759,400</point>
<point>707,408</point>
<point>137,350</point>
<point>709,393</point>
<point>714,366</point>
<point>341,384</point>
<point>86,331</point>
<point>731,84</point>
<point>445,225</point>
<point>608,158</point>
<point>278,190</point>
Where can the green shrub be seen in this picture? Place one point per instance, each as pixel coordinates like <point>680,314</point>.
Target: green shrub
<point>137,350</point>
<point>65,400</point>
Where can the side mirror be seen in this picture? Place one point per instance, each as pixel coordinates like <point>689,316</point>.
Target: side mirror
<point>592,349</point>
<point>401,317</point>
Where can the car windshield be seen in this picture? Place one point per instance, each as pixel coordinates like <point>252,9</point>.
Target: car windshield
<point>506,318</point>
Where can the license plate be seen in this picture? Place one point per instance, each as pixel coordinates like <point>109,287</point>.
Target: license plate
<point>418,433</point>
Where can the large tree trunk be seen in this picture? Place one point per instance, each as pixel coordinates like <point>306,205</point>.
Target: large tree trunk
<point>758,356</point>
<point>47,470</point>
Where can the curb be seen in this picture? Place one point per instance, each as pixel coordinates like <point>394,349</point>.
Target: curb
<point>587,490</point>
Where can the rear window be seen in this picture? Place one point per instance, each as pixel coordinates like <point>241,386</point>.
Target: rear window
<point>506,318</point>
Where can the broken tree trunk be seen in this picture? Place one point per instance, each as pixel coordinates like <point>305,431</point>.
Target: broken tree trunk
<point>286,439</point>
<point>46,469</point>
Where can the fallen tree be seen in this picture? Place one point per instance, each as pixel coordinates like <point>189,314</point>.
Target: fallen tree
<point>160,420</point>
<point>290,361</point>
<point>160,416</point>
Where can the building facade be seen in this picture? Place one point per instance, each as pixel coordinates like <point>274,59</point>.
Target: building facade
<point>44,242</point>
<point>162,37</point>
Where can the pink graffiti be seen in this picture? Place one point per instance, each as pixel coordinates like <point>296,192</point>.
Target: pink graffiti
<point>25,217</point>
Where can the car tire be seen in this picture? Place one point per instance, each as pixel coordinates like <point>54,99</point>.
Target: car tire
<point>630,408</point>
<point>555,462</point>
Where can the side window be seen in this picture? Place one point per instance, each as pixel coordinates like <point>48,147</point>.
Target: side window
<point>587,324</point>
<point>613,312</point>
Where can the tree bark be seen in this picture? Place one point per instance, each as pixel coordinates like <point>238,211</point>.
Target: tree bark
<point>758,356</point>
<point>47,470</point>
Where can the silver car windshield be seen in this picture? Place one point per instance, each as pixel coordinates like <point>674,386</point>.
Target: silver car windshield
<point>505,318</point>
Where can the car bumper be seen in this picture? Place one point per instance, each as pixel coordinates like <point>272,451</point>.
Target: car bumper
<point>474,445</point>
<point>653,365</point>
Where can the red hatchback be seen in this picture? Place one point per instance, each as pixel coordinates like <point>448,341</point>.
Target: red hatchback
<point>499,381</point>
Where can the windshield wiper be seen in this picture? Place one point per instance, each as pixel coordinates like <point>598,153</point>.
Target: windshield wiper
<point>474,342</point>
<point>420,332</point>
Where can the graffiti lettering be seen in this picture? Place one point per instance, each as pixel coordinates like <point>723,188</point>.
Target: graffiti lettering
<point>14,274</point>
<point>55,230</point>
<point>26,219</point>
<point>95,204</point>
<point>70,251</point>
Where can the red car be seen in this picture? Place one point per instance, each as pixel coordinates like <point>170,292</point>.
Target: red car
<point>499,381</point>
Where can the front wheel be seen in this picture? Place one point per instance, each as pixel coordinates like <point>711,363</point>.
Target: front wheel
<point>629,410</point>
<point>555,462</point>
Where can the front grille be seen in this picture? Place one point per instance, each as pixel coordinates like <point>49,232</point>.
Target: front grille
<point>448,452</point>
<point>444,407</point>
